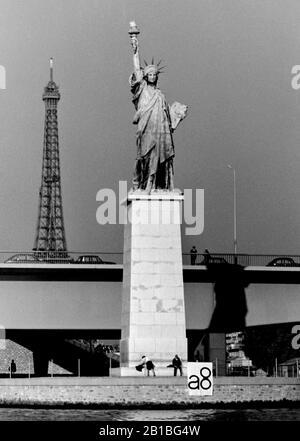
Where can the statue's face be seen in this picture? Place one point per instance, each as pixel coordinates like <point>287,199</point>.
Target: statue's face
<point>152,77</point>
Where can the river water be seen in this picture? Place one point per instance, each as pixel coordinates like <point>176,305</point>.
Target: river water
<point>213,415</point>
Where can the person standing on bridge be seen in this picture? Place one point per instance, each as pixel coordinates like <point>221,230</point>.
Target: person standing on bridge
<point>193,254</point>
<point>206,256</point>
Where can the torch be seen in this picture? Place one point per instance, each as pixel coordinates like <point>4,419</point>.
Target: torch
<point>133,33</point>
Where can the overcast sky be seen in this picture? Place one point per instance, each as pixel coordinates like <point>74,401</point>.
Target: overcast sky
<point>229,61</point>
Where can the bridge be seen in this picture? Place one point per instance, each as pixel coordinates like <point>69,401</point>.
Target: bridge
<point>75,296</point>
<point>41,303</point>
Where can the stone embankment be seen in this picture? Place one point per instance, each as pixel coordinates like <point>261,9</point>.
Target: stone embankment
<point>147,392</point>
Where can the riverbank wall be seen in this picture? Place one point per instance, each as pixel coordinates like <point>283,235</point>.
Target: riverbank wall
<point>146,392</point>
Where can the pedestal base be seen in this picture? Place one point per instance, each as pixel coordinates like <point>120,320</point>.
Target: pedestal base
<point>160,350</point>
<point>153,313</point>
<point>132,372</point>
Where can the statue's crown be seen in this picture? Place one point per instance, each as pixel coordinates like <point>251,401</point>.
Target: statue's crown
<point>152,67</point>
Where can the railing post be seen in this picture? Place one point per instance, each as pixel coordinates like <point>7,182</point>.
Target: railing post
<point>78,367</point>
<point>29,367</point>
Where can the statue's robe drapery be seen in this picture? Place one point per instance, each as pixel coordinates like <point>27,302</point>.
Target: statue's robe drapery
<point>155,148</point>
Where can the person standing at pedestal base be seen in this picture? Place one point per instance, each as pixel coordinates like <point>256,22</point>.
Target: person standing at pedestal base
<point>150,367</point>
<point>177,364</point>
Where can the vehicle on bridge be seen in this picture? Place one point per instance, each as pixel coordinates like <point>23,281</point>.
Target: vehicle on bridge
<point>23,258</point>
<point>283,261</point>
<point>92,259</point>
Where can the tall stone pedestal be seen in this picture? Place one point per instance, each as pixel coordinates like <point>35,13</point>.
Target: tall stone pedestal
<point>153,312</point>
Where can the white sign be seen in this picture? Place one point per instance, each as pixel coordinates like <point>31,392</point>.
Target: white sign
<point>2,78</point>
<point>200,378</point>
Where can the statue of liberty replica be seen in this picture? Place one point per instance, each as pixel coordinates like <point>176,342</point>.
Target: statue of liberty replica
<point>153,309</point>
<point>155,121</point>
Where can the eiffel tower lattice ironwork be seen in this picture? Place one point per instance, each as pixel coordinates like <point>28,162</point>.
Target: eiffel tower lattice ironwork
<point>50,233</point>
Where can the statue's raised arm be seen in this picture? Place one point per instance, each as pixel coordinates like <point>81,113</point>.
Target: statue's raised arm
<point>133,33</point>
<point>155,121</point>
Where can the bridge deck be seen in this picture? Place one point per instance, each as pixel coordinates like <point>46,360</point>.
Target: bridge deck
<point>114,273</point>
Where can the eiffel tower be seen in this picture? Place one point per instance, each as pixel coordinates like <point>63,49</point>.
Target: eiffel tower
<point>50,232</point>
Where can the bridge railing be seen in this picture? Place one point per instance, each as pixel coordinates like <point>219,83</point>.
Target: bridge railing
<point>240,259</point>
<point>94,257</point>
<point>60,257</point>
